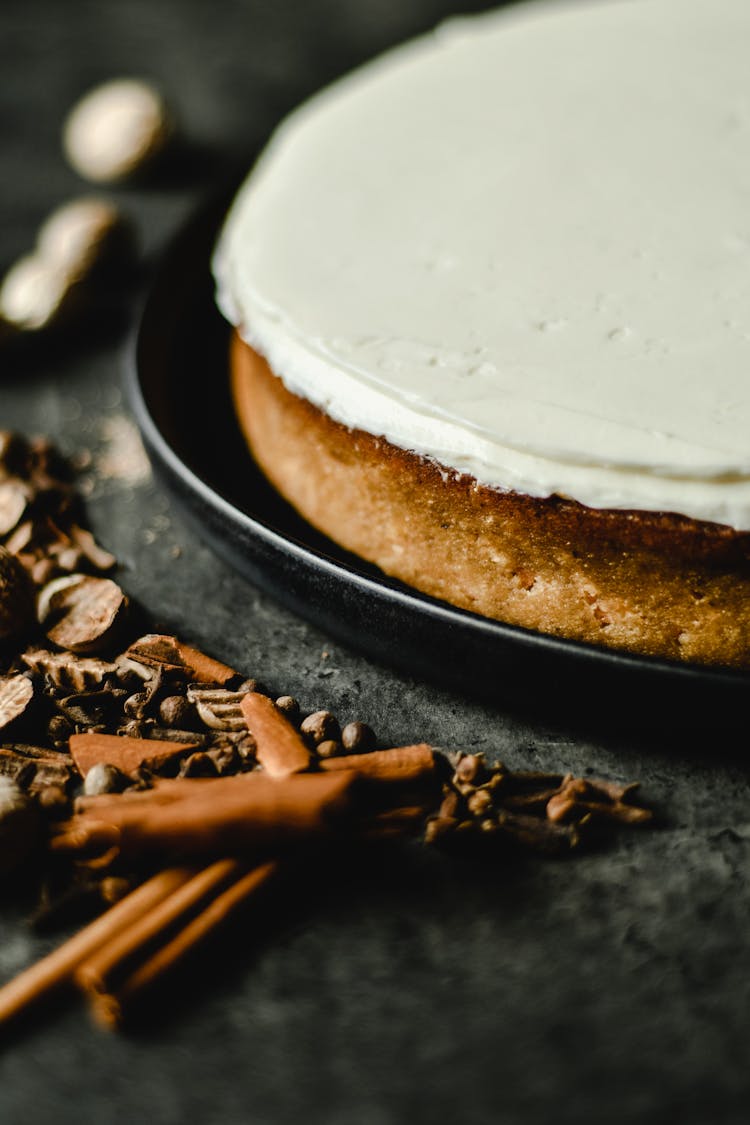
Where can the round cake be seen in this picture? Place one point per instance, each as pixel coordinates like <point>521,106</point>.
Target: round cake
<point>491,308</point>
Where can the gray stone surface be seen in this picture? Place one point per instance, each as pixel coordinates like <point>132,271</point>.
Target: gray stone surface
<point>408,988</point>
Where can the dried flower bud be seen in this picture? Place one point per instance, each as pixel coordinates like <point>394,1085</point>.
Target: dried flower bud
<point>469,770</point>
<point>59,729</point>
<point>320,727</point>
<point>115,130</point>
<point>479,802</point>
<point>357,738</point>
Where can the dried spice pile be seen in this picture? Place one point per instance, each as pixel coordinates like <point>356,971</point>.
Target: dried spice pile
<point>137,771</point>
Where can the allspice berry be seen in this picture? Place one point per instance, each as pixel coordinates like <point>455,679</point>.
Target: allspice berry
<point>16,597</point>
<point>104,778</point>
<point>115,130</point>
<point>319,727</point>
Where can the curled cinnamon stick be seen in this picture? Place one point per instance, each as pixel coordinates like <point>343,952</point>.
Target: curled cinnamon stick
<point>254,815</point>
<point>56,970</point>
<point>279,747</point>
<point>110,1002</point>
<point>402,763</point>
<point>111,962</point>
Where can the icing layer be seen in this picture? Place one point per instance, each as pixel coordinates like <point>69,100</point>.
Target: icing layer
<point>521,246</point>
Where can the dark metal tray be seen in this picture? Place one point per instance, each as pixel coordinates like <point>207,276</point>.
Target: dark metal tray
<point>177,379</point>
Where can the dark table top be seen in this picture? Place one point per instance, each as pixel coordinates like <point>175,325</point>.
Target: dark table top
<point>405,987</point>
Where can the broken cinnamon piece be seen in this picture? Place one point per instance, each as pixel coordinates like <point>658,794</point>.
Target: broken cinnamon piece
<point>279,748</point>
<point>402,763</point>
<point>253,814</point>
<point>169,653</point>
<point>122,751</point>
<point>57,969</point>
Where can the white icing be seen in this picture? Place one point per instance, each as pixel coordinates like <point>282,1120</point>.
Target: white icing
<point>521,246</point>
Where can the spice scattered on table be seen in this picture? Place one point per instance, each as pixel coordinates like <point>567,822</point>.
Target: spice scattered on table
<point>116,130</point>
<point>141,777</point>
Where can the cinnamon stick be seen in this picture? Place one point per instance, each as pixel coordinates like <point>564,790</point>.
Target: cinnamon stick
<point>122,751</point>
<point>402,763</point>
<point>56,970</point>
<point>251,814</point>
<point>110,1001</point>
<point>112,962</point>
<point>280,749</point>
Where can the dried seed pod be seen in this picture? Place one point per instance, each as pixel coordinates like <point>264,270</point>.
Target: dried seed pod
<point>36,294</point>
<point>69,672</point>
<point>19,826</point>
<point>84,234</point>
<point>218,708</point>
<point>357,738</point>
<point>470,771</point>
<point>16,694</point>
<point>104,778</point>
<point>115,130</point>
<point>16,597</point>
<point>290,707</point>
<point>320,727</point>
<point>79,612</point>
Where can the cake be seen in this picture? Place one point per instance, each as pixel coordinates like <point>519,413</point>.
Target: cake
<point>490,298</point>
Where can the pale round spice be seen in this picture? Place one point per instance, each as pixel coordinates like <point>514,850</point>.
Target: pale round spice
<point>35,293</point>
<point>115,129</point>
<point>83,234</point>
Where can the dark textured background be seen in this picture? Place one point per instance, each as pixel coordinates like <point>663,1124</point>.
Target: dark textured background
<point>409,988</point>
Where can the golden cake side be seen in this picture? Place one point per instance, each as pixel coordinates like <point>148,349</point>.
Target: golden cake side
<point>650,583</point>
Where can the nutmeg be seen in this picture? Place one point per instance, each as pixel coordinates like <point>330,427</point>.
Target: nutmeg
<point>116,129</point>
